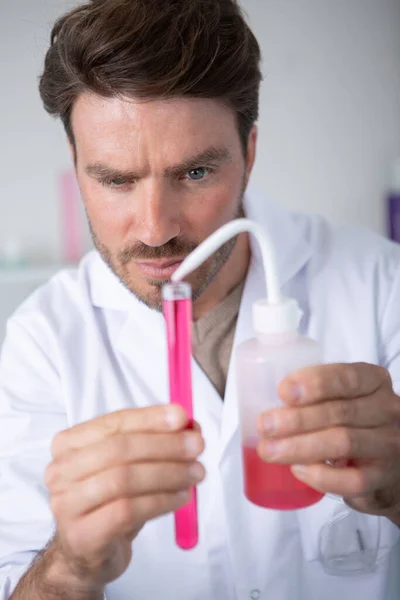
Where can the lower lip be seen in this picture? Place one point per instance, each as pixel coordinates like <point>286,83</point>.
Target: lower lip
<point>158,272</point>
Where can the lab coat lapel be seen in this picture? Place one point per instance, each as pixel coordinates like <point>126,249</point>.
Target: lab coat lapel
<point>142,349</point>
<point>137,337</point>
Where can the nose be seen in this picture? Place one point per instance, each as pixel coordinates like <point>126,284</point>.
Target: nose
<point>157,220</point>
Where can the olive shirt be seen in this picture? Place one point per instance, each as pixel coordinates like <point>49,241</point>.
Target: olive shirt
<point>212,338</point>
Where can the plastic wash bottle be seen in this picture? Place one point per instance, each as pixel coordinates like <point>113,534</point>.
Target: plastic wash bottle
<point>262,362</point>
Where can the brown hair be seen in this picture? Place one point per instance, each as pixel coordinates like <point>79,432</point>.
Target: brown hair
<point>154,49</point>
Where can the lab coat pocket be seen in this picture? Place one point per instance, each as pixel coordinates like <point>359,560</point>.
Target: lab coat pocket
<point>344,541</point>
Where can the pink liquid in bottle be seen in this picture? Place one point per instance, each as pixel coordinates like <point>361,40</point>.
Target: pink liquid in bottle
<point>273,486</point>
<point>177,307</point>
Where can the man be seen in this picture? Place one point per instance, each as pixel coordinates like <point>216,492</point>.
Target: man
<point>159,101</point>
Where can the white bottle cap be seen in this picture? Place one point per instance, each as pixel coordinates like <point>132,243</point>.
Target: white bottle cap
<point>282,317</point>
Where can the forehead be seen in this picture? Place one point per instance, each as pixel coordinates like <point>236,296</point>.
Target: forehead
<point>118,124</point>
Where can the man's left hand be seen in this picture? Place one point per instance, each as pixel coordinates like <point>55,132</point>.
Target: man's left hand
<point>349,415</point>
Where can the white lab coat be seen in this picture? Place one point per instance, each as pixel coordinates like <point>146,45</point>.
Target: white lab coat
<point>83,346</point>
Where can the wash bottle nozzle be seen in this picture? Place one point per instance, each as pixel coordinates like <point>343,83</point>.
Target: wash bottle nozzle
<point>272,314</point>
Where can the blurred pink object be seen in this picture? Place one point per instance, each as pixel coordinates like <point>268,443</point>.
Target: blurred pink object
<point>71,218</point>
<point>177,306</point>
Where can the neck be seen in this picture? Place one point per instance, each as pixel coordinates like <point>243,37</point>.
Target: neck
<point>231,274</point>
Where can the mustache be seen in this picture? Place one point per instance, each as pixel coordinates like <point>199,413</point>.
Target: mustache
<point>173,248</point>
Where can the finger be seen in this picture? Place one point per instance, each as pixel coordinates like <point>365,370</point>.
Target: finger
<point>125,482</point>
<point>324,382</point>
<point>346,482</point>
<point>377,410</point>
<point>169,417</point>
<point>331,444</point>
<point>119,450</point>
<point>94,531</point>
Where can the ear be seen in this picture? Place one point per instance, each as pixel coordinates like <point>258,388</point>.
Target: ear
<point>251,150</point>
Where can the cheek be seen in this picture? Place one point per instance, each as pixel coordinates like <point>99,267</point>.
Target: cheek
<point>213,210</point>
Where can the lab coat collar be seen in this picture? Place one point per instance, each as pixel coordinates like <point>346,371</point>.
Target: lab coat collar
<point>288,236</point>
<point>287,231</point>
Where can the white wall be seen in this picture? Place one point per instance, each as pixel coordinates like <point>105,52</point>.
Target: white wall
<point>330,123</point>
<point>330,111</point>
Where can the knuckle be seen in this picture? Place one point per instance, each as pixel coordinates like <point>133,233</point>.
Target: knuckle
<point>341,412</point>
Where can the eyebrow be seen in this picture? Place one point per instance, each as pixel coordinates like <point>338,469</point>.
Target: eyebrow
<point>210,155</point>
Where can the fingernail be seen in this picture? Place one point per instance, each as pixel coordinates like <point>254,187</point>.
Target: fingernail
<point>171,417</point>
<point>196,472</point>
<point>296,392</point>
<point>270,423</point>
<point>300,470</point>
<point>272,449</point>
<point>192,444</point>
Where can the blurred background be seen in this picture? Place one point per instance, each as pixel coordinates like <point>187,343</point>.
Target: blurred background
<point>329,128</point>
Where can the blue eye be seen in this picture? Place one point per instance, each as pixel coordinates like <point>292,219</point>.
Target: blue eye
<point>196,174</point>
<point>117,182</point>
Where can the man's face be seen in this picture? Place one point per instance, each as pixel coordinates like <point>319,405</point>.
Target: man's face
<point>157,178</point>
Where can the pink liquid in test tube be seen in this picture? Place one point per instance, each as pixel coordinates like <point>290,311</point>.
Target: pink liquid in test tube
<point>177,307</point>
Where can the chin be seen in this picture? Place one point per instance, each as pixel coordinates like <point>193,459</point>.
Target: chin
<point>149,293</point>
<point>151,296</point>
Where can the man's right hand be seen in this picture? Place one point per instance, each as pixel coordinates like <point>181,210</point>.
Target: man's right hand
<point>111,475</point>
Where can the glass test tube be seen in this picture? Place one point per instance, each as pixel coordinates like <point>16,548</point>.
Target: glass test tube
<point>177,308</point>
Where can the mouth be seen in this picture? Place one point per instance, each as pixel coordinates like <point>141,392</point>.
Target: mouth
<point>159,269</point>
